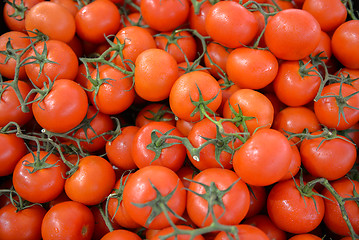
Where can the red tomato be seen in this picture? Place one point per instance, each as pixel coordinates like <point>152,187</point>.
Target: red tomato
<point>71,6</point>
<point>292,34</point>
<point>295,163</point>
<point>264,158</point>
<point>305,236</point>
<point>293,212</point>
<point>155,112</point>
<point>136,19</point>
<point>42,185</point>
<point>230,205</point>
<point>184,126</point>
<point>121,234</point>
<point>100,228</point>
<point>258,200</point>
<point>197,16</point>
<point>264,223</point>
<point>146,185</point>
<point>238,26</point>
<point>245,232</point>
<point>352,74</point>
<point>68,220</point>
<point>92,181</point>
<point>324,48</point>
<point>216,55</point>
<point>169,230</point>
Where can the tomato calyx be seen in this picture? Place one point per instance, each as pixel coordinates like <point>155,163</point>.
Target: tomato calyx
<point>197,4</point>
<point>159,115</point>
<point>239,119</point>
<point>304,70</point>
<point>17,201</point>
<point>19,10</point>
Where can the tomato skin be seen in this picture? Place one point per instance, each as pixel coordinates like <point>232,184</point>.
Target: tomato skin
<point>352,73</point>
<point>68,220</point>
<point>12,149</point>
<point>92,181</point>
<point>22,225</point>
<point>238,25</point>
<point>345,45</point>
<point>53,112</point>
<point>9,105</point>
<point>292,34</point>
<point>98,19</point>
<point>258,199</point>
<point>333,218</point>
<point>295,163</point>
<point>219,55</point>
<point>292,212</point>
<point>264,223</point>
<point>245,232</point>
<point>121,234</point>
<point>251,68</point>
<point>138,190</point>
<point>152,112</point>
<point>327,111</point>
<point>305,236</point>
<point>197,21</point>
<point>45,17</point>
<point>259,163</point>
<point>236,201</point>
<point>169,230</point>
<point>43,185</point>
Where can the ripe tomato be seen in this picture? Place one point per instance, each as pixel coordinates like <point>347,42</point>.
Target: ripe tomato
<point>136,19</point>
<point>293,212</point>
<point>92,181</point>
<point>186,89</point>
<point>101,229</point>
<point>197,20</point>
<point>65,62</point>
<point>251,68</point>
<point>140,190</point>
<point>324,48</point>
<point>184,126</point>
<point>21,225</point>
<point>52,19</point>
<point>292,34</point>
<point>305,236</point>
<point>245,232</point>
<point>96,20</point>
<point>335,113</point>
<point>238,26</point>
<point>71,6</point>
<point>164,15</point>
<point>295,163</point>
<point>121,234</point>
<point>44,184</point>
<point>53,112</point>
<point>216,54</point>
<point>169,230</point>
<point>264,223</point>
<point>230,205</point>
<point>333,218</point>
<point>68,220</point>
<point>352,74</point>
<point>18,42</point>
<point>156,71</point>
<point>155,112</point>
<point>144,154</point>
<point>264,158</point>
<point>258,200</point>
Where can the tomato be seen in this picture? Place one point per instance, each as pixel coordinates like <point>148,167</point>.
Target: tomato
<point>292,34</point>
<point>156,71</point>
<point>292,87</point>
<point>353,74</point>
<point>42,185</point>
<point>121,234</point>
<point>333,218</point>
<point>68,220</point>
<point>96,20</point>
<point>331,159</point>
<point>10,110</point>
<point>282,4</point>
<point>115,92</point>
<point>140,190</point>
<point>293,212</point>
<point>205,130</point>
<point>63,62</point>
<point>53,112</point>
<point>324,48</point>
<point>156,112</point>
<point>100,228</point>
<point>169,230</point>
<point>184,126</point>
<point>145,150</point>
<point>335,113</point>
<point>345,44</point>
<point>196,19</point>
<point>81,74</point>
<point>71,6</point>
<point>329,14</point>
<point>186,49</point>
<point>52,19</point>
<point>12,149</point>
<point>264,223</point>
<point>186,173</point>
<point>136,19</point>
<point>305,236</point>
<point>245,232</point>
<point>264,158</point>
<point>238,25</point>
<point>258,198</point>
<point>92,181</point>
<point>164,15</point>
<point>21,225</point>
<point>216,54</point>
<point>252,104</point>
<point>18,42</point>
<point>230,204</point>
<point>295,163</point>
<point>251,68</point>
<point>186,89</point>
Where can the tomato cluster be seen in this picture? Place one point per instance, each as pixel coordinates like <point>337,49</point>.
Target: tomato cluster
<point>179,119</point>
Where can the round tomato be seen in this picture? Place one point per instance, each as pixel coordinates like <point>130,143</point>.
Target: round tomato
<point>197,16</point>
<point>121,234</point>
<point>258,200</point>
<point>170,230</point>
<point>215,58</point>
<point>154,112</point>
<point>245,232</point>
<point>305,236</point>
<point>264,223</point>
<point>71,6</point>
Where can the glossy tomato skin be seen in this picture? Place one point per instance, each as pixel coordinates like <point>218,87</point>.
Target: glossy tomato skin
<point>43,185</point>
<point>238,25</point>
<point>169,230</point>
<point>305,236</point>
<point>68,220</point>
<point>21,225</point>
<point>264,223</point>
<point>92,181</point>
<point>333,217</point>
<point>139,190</point>
<point>157,112</point>
<point>53,112</point>
<point>171,157</point>
<point>245,232</point>
<point>236,201</point>
<point>258,199</point>
<point>197,20</point>
<point>292,34</point>
<point>261,164</point>
<point>292,212</point>
<point>216,54</point>
<point>121,234</point>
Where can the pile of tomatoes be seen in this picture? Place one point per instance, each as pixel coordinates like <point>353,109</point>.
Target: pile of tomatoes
<point>179,119</point>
